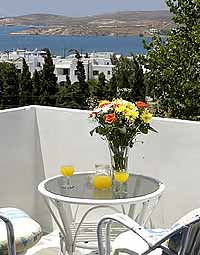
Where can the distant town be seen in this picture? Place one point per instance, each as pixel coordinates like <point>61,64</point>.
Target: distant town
<point>94,63</point>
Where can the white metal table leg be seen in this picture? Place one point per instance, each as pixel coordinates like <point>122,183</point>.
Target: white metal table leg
<point>65,232</point>
<point>66,226</point>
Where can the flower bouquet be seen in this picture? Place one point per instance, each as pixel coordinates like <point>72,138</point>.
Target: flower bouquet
<point>119,122</point>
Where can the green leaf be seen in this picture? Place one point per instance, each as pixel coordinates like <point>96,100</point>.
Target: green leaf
<point>92,131</point>
<point>152,129</point>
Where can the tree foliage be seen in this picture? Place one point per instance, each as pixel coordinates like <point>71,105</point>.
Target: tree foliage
<point>26,88</point>
<point>48,82</point>
<point>99,88</point>
<point>173,79</point>
<point>64,97</point>
<point>129,79</point>
<point>36,88</point>
<point>9,86</point>
<point>81,89</point>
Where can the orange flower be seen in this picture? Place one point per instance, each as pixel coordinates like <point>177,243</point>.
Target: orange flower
<point>103,103</point>
<point>141,104</point>
<point>110,118</point>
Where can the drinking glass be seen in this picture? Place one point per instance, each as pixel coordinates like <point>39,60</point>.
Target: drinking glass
<point>67,171</point>
<point>121,177</point>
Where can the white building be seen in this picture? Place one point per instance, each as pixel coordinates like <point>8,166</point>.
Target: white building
<point>94,63</point>
<point>34,59</point>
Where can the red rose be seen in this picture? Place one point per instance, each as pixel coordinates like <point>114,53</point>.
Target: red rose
<point>141,104</point>
<point>110,118</point>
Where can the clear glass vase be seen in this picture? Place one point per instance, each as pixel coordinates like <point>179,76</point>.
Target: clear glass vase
<point>119,163</point>
<point>119,157</point>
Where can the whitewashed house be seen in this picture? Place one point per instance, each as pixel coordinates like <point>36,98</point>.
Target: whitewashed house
<point>94,63</point>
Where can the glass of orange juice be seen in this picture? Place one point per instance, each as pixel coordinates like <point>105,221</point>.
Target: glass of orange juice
<point>121,177</point>
<point>102,179</point>
<point>67,171</point>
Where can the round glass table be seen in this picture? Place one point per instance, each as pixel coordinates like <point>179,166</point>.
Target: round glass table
<point>140,193</point>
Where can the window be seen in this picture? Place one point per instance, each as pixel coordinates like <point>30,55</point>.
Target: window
<point>108,73</point>
<point>108,63</point>
<point>65,71</point>
<point>95,72</point>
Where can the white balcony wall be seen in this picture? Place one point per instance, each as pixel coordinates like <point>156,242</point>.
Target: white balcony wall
<point>21,167</point>
<point>21,164</point>
<point>17,158</point>
<point>36,141</point>
<point>65,138</point>
<point>171,155</point>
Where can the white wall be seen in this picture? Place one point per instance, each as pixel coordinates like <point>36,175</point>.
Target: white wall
<point>16,158</point>
<point>35,141</point>
<point>171,155</point>
<point>64,136</point>
<point>21,168</point>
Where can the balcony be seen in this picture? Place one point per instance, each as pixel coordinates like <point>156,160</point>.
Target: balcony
<point>36,140</point>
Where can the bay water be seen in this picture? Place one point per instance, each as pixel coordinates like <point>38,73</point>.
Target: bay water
<point>60,44</point>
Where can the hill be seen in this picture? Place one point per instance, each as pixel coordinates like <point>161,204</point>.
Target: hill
<point>119,23</point>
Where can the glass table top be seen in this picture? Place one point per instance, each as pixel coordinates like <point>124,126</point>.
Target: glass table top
<point>136,186</point>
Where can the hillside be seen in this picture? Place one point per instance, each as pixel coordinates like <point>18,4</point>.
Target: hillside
<point>120,23</point>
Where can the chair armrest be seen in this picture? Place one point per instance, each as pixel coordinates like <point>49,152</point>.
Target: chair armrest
<point>178,227</point>
<point>130,224</point>
<point>10,235</point>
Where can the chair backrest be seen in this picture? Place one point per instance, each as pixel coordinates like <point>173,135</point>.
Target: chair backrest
<point>187,241</point>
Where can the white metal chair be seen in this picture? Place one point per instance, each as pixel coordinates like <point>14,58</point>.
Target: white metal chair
<point>183,238</point>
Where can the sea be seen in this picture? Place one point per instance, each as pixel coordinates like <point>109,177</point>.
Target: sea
<point>60,45</point>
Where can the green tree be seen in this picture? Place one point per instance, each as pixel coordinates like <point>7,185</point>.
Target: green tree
<point>173,76</point>
<point>36,88</point>
<point>99,88</point>
<point>102,86</point>
<point>92,100</point>
<point>81,88</point>
<point>64,96</point>
<point>112,88</point>
<point>26,88</point>
<point>129,78</point>
<point>9,85</point>
<point>48,82</point>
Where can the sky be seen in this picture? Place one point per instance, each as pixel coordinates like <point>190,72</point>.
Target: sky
<point>76,7</point>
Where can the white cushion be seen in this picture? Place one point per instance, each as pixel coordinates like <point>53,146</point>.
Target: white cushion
<point>132,243</point>
<point>27,231</point>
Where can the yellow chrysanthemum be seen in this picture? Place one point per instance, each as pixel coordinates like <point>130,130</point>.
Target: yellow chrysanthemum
<point>131,115</point>
<point>117,101</point>
<point>146,117</point>
<point>129,106</point>
<point>124,107</point>
<point>103,103</point>
<point>120,108</point>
